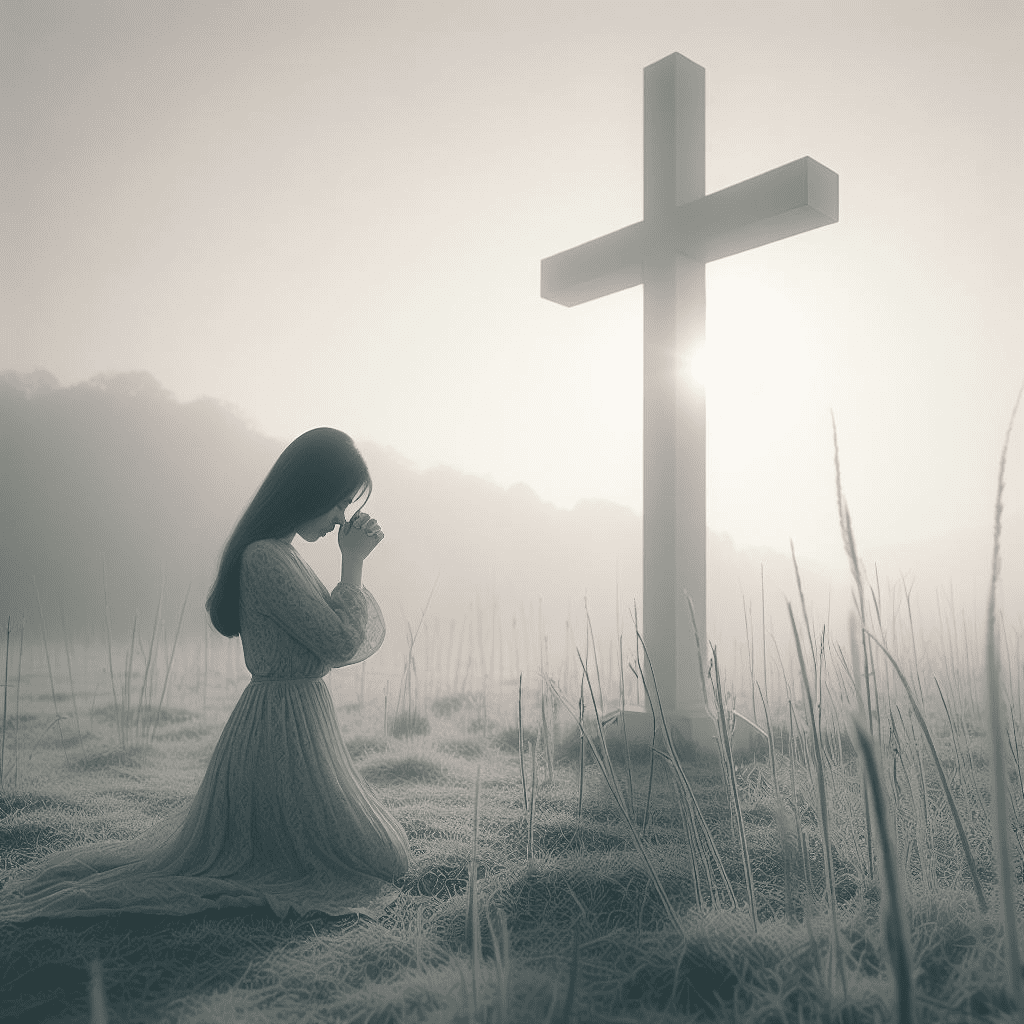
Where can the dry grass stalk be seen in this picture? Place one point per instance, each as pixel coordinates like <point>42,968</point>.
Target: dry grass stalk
<point>625,731</point>
<point>98,1013</point>
<point>110,651</point>
<point>143,689</point>
<point>522,763</point>
<point>170,662</point>
<point>17,701</point>
<point>1000,810</point>
<point>748,873</point>
<point>126,694</point>
<point>822,807</point>
<point>472,916</point>
<point>961,832</point>
<point>549,762</point>
<point>897,932</point>
<point>605,766</point>
<point>579,804</point>
<point>502,960</point>
<point>639,672</point>
<point>702,841</point>
<point>779,817</point>
<point>574,970</point>
<point>597,662</point>
<point>850,546</point>
<point>71,678</point>
<point>3,735</point>
<point>49,668</point>
<point>533,802</point>
<point>855,653</point>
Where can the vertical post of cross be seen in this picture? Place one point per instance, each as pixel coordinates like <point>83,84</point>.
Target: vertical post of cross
<point>682,230</point>
<point>674,506</point>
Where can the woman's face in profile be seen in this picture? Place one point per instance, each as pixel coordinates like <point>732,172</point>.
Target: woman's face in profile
<point>325,524</point>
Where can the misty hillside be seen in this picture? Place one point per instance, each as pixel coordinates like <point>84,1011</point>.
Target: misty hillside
<point>116,472</point>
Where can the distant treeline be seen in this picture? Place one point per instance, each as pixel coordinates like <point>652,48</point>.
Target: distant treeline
<point>116,477</point>
<point>115,473</point>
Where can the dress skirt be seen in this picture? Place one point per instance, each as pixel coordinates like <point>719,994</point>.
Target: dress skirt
<point>282,819</point>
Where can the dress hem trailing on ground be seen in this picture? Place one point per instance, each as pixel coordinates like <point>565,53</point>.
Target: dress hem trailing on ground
<point>282,818</point>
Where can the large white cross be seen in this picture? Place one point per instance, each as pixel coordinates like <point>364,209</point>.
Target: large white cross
<point>682,230</point>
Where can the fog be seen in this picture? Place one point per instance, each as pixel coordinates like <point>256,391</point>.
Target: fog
<point>336,212</point>
<point>117,473</point>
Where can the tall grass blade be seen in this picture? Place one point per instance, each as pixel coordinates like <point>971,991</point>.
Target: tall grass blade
<point>549,757</point>
<point>625,731</point>
<point>822,807</point>
<point>143,692</point>
<point>1000,810</point>
<point>49,669</point>
<point>574,969</point>
<point>748,874</point>
<point>650,773</point>
<point>807,627</point>
<point>412,639</point>
<point>850,546</point>
<point>170,662</point>
<point>98,1013</point>
<point>698,856</point>
<point>71,679</point>
<point>604,765</point>
<point>522,763</point>
<point>897,932</point>
<point>671,756</point>
<point>533,802</point>
<point>110,646</point>
<point>855,636</point>
<point>579,804</point>
<point>17,702</point>
<point>961,832</point>
<point>639,673</point>
<point>124,719</point>
<point>597,660</point>
<point>764,646</point>
<point>783,829</point>
<point>3,735</point>
<point>502,962</point>
<point>472,915</point>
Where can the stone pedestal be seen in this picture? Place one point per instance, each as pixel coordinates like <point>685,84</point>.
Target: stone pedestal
<point>696,727</point>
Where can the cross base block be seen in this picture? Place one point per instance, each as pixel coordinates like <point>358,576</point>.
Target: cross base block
<point>694,726</point>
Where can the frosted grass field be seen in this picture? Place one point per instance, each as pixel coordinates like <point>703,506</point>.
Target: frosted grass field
<point>584,933</point>
<point>668,886</point>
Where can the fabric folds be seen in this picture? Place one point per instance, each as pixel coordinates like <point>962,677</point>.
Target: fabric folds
<point>282,818</point>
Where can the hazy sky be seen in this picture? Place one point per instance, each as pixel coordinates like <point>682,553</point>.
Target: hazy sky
<point>335,213</point>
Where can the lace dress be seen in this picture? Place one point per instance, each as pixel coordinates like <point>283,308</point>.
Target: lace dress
<point>282,817</point>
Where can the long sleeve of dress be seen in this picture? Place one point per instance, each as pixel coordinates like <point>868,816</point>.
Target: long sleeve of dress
<point>292,626</point>
<point>346,601</point>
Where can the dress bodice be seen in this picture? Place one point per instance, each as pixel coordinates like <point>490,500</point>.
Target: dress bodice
<point>291,626</point>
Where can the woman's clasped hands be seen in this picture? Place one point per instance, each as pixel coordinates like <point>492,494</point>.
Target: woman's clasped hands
<point>359,535</point>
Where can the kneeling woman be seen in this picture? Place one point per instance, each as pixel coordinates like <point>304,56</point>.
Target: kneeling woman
<point>282,817</point>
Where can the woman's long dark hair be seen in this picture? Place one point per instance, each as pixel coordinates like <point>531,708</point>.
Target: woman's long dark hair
<point>315,472</point>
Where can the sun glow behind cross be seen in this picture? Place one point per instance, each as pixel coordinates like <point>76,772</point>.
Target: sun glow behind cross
<point>768,371</point>
<point>699,366</point>
<point>765,367</point>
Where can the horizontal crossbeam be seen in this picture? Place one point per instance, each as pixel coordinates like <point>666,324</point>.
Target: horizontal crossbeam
<point>785,201</point>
